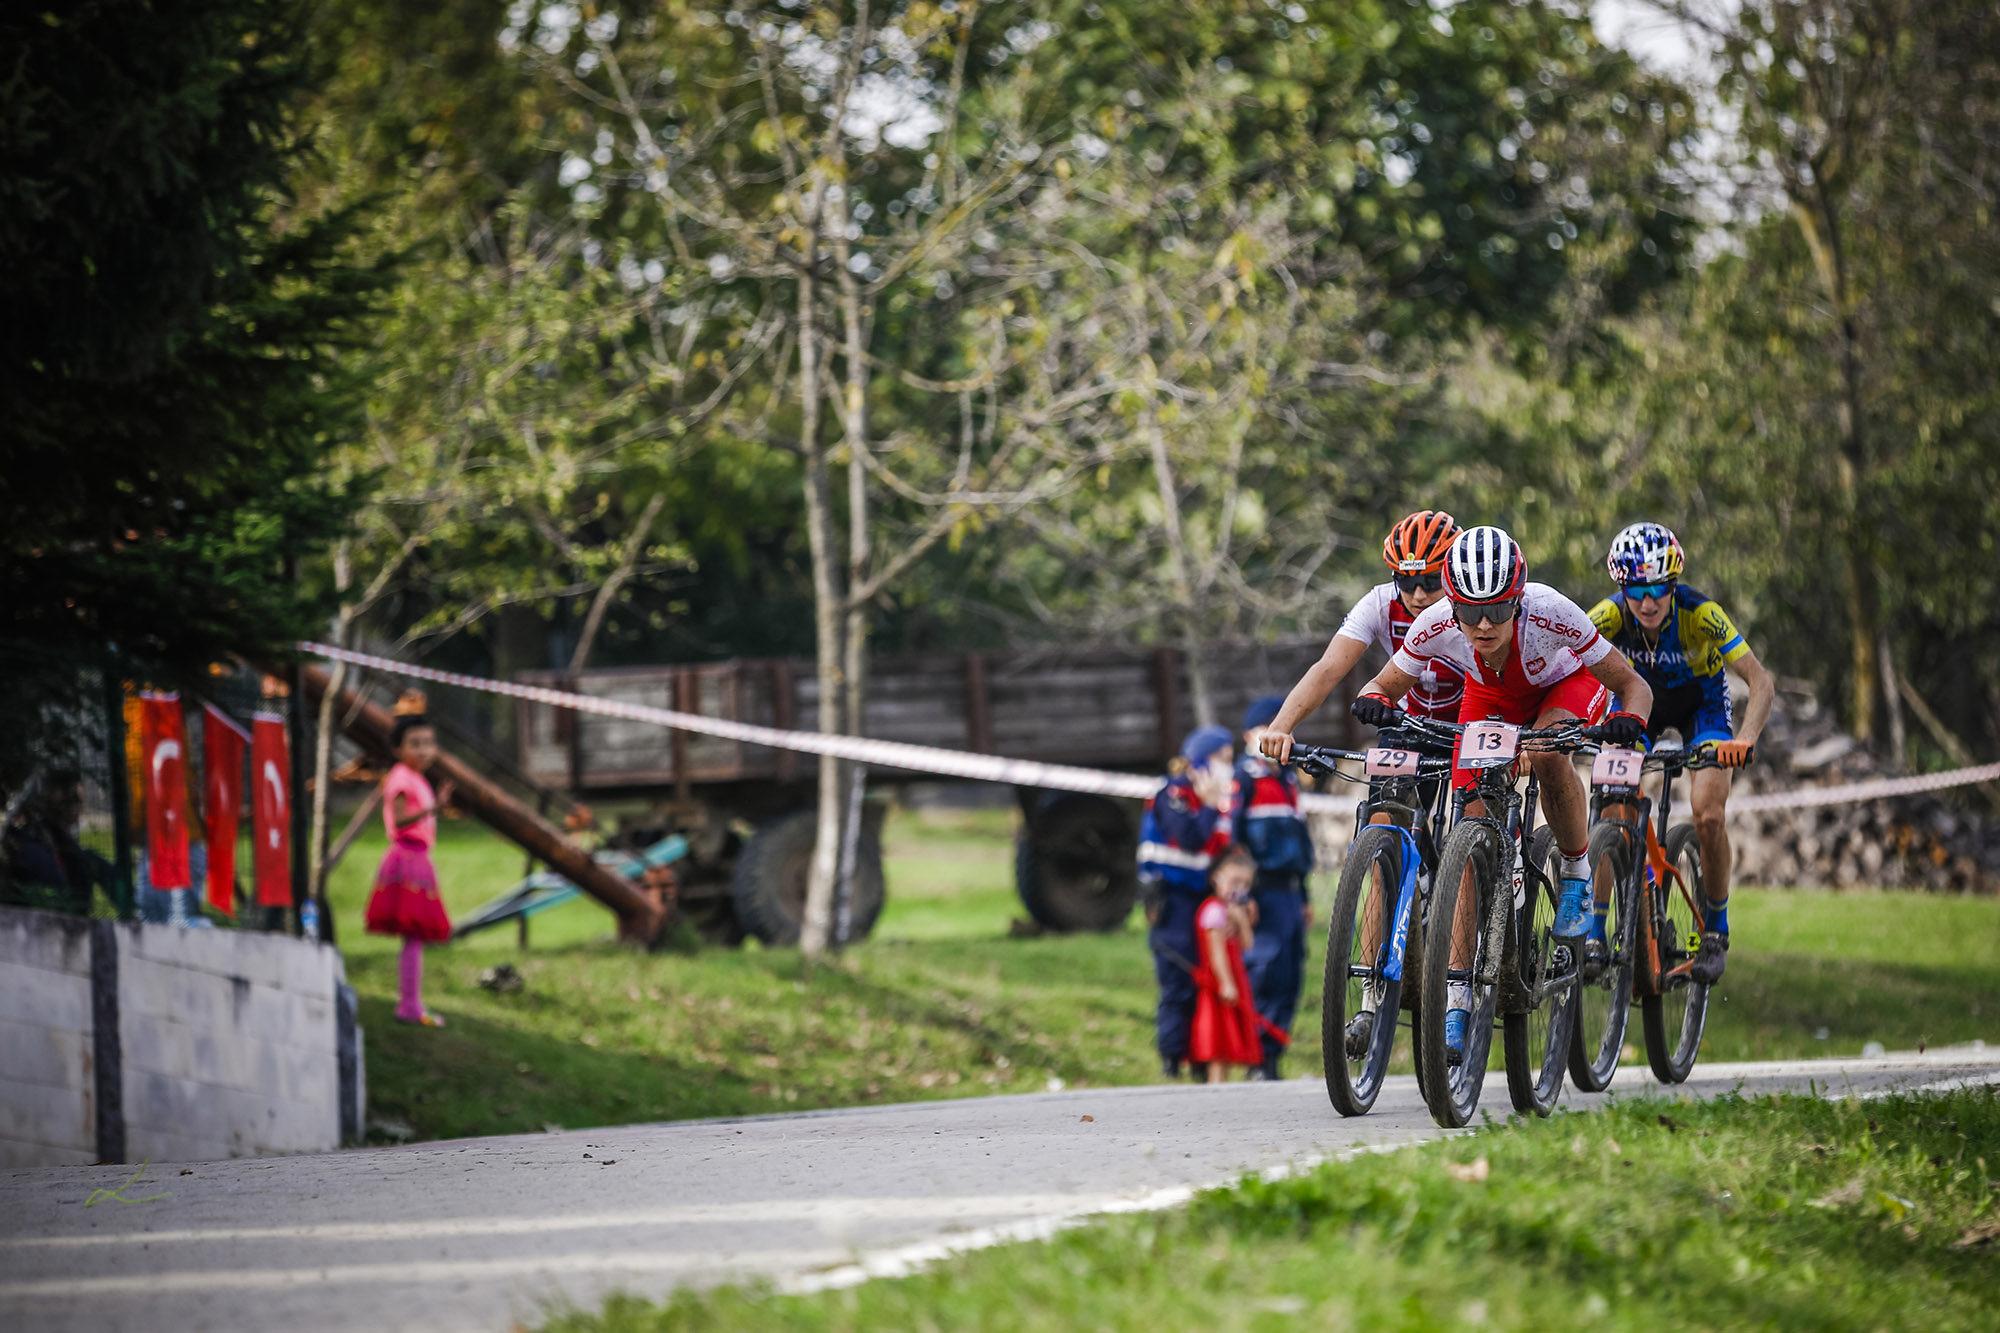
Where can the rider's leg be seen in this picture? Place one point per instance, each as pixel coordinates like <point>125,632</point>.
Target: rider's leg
<point>1567,810</point>
<point>1711,802</point>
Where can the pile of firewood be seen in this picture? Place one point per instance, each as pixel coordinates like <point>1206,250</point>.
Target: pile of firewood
<point>1945,841</point>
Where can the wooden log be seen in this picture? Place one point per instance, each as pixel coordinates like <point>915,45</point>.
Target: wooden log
<point>638,917</point>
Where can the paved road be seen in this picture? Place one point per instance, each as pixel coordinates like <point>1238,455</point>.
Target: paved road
<point>482,1233</point>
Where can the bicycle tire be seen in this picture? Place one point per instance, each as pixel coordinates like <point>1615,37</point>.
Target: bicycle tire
<point>1537,1040</point>
<point>1604,1006</point>
<point>1352,1085</point>
<point>1675,1018</point>
<point>1474,844</point>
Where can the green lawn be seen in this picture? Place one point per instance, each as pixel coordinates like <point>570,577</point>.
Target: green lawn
<point>1781,1213</point>
<point>942,1002</point>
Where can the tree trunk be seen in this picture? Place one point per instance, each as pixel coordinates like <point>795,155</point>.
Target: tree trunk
<point>854,428</point>
<point>1819,220</point>
<point>816,930</point>
<point>628,559</point>
<point>323,737</point>
<point>1177,570</point>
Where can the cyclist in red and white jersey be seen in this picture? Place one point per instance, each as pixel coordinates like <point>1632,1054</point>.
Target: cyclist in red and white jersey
<point>1530,656</point>
<point>1414,550</point>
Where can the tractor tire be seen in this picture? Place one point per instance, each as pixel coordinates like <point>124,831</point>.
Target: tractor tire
<point>1076,864</point>
<point>769,884</point>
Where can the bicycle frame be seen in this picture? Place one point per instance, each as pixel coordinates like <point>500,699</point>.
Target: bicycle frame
<point>1648,978</point>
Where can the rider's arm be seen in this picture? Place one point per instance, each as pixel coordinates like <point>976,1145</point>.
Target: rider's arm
<point>1391,682</point>
<point>1635,696</point>
<point>1763,689</point>
<point>1319,681</point>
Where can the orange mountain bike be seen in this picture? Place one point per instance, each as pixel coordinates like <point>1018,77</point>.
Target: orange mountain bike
<point>1647,872</point>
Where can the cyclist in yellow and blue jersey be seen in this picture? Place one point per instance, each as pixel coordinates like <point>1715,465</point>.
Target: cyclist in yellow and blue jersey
<point>1681,640</point>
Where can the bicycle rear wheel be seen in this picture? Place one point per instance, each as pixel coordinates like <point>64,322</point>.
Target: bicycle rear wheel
<point>1674,1018</point>
<point>1604,1005</point>
<point>1357,950</point>
<point>1537,1038</point>
<point>1453,1093</point>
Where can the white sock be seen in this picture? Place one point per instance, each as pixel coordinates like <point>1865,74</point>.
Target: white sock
<point>1458,995</point>
<point>1371,994</point>
<point>1575,867</point>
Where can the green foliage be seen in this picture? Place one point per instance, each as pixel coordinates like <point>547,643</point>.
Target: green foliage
<point>166,369</point>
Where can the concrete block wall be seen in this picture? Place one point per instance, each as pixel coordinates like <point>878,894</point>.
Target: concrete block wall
<point>227,1043</point>
<point>48,1078</point>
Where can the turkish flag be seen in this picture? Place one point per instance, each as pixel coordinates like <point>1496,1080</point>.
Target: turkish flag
<point>222,744</point>
<point>271,809</point>
<point>163,746</point>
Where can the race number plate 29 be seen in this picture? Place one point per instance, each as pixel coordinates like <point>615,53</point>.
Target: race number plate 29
<point>1385,763</point>
<point>1616,768</point>
<point>1489,744</point>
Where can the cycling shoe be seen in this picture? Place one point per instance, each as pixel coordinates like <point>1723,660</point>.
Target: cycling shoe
<point>1454,1037</point>
<point>1360,1032</point>
<point>1712,958</point>
<point>1572,911</point>
<point>1596,958</point>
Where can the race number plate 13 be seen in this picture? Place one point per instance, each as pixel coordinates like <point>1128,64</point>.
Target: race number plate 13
<point>1616,768</point>
<point>1385,763</point>
<point>1489,744</point>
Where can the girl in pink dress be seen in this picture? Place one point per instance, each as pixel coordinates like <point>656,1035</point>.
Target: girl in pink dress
<point>405,901</point>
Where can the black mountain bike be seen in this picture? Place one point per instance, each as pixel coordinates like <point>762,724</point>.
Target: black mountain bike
<point>1375,927</point>
<point>1653,926</point>
<point>1514,967</point>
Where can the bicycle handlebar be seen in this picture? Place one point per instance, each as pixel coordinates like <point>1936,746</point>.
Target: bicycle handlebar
<point>1320,760</point>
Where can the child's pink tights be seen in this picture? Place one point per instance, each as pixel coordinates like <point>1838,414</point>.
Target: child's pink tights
<point>410,991</point>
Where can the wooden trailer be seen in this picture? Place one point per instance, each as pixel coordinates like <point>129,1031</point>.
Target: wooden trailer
<point>747,810</point>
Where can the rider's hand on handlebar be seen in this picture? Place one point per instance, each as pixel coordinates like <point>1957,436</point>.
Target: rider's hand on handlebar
<point>1734,754</point>
<point>1375,710</point>
<point>1623,728</point>
<point>1275,745</point>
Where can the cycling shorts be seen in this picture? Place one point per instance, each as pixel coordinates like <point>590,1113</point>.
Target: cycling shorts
<point>1699,710</point>
<point>1582,694</point>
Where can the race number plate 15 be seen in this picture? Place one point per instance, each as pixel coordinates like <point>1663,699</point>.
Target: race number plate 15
<point>1384,763</point>
<point>1489,744</point>
<point>1616,768</point>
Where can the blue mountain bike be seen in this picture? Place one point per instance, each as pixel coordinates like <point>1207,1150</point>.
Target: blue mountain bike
<point>1374,930</point>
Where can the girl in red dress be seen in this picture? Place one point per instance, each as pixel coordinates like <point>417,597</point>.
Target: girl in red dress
<point>1226,1028</point>
<point>405,901</point>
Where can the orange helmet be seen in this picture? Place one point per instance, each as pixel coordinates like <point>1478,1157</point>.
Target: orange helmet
<point>1418,544</point>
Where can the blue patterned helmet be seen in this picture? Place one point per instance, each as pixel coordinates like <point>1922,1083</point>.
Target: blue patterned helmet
<point>1645,553</point>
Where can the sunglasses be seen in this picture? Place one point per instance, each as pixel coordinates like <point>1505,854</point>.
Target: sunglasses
<point>1472,613</point>
<point>1639,592</point>
<point>1412,582</point>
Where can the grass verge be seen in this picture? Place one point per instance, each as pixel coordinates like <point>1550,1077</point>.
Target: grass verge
<point>942,1002</point>
<point>1786,1212</point>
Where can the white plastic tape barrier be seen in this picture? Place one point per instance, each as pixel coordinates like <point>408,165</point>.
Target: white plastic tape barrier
<point>1863,791</point>
<point>1024,772</point>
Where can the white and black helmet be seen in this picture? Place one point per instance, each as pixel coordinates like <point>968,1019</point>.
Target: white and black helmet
<point>1484,566</point>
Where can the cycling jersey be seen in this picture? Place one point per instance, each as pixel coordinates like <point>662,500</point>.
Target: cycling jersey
<point>1683,661</point>
<point>1381,618</point>
<point>1547,666</point>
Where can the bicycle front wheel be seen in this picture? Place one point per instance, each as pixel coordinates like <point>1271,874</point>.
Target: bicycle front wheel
<point>1604,1002</point>
<point>1536,1032</point>
<point>1469,868</point>
<point>1358,942</point>
<point>1675,1017</point>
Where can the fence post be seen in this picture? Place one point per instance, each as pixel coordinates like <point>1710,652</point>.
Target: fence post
<point>120,791</point>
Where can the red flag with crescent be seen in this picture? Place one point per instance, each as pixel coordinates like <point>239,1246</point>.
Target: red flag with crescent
<point>223,743</point>
<point>163,749</point>
<point>271,809</point>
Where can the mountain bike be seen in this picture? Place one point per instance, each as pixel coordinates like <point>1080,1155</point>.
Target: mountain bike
<point>1378,909</point>
<point>1651,946</point>
<point>1515,968</point>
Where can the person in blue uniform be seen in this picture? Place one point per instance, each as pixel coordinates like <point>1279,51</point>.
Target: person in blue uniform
<point>1185,825</point>
<point>1264,812</point>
